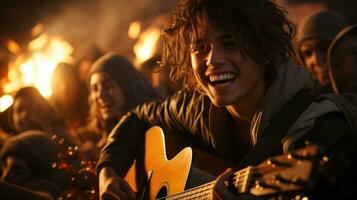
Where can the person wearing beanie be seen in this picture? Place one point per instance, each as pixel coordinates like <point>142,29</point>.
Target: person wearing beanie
<point>27,160</point>
<point>342,61</point>
<point>115,87</point>
<point>314,34</point>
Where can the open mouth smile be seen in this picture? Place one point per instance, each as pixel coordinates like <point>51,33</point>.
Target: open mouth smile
<point>221,79</point>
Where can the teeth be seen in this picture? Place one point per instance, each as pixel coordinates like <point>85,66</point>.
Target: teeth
<point>221,77</point>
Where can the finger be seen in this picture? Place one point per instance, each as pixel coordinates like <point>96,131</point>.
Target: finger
<point>118,195</point>
<point>108,196</point>
<point>127,189</point>
<point>225,175</point>
<point>113,192</point>
<point>220,190</point>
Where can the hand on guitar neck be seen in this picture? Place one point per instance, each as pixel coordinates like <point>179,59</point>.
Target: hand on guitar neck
<point>112,187</point>
<point>220,189</point>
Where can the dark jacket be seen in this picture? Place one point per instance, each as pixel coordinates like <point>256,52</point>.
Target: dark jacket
<point>192,116</point>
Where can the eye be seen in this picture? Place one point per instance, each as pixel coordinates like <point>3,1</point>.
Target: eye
<point>94,88</point>
<point>200,48</point>
<point>306,53</point>
<point>107,85</point>
<point>229,44</point>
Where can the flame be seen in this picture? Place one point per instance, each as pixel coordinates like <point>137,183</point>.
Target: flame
<point>36,68</point>
<point>146,46</point>
<point>37,30</point>
<point>134,30</point>
<point>5,102</point>
<point>13,47</point>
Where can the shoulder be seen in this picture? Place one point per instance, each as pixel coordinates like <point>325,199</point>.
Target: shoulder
<point>333,132</point>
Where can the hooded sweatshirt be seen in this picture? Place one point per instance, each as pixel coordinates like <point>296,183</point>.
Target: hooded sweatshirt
<point>349,31</point>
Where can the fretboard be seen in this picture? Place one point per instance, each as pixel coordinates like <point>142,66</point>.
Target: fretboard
<point>202,192</point>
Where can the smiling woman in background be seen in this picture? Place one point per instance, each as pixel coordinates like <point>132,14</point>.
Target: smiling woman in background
<point>115,87</point>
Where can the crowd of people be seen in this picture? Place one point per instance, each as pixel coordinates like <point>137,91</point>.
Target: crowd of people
<point>247,89</point>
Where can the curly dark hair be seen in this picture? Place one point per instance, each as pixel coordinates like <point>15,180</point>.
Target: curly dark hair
<point>260,27</point>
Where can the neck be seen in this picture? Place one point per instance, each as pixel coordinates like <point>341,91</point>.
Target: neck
<point>243,111</point>
<point>109,125</point>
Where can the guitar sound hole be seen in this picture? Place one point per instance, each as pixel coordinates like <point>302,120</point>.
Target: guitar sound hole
<point>162,193</point>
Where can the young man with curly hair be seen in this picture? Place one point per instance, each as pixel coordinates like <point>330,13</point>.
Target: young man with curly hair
<point>244,99</point>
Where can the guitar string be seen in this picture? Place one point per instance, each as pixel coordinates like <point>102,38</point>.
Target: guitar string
<point>189,192</point>
<point>200,189</point>
<point>210,184</point>
<point>193,195</point>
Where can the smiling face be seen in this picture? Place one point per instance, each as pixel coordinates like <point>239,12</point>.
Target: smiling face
<point>107,96</point>
<point>25,114</point>
<point>313,53</point>
<point>224,74</point>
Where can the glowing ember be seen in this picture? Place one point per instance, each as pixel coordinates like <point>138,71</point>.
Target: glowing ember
<point>146,46</point>
<point>36,68</point>
<point>134,30</point>
<point>5,102</point>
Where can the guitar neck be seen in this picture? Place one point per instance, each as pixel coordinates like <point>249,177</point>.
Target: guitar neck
<point>240,182</point>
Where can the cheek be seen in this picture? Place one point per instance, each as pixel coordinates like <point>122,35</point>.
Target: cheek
<point>197,64</point>
<point>308,65</point>
<point>119,97</point>
<point>92,98</point>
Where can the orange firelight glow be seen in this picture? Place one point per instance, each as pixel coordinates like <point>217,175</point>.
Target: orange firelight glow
<point>35,67</point>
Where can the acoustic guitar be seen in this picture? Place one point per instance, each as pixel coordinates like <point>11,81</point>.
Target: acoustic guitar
<point>166,179</point>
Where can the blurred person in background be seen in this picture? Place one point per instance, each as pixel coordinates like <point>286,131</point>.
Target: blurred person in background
<point>115,87</point>
<point>31,111</point>
<point>342,57</point>
<point>314,34</point>
<point>69,96</point>
<point>26,161</point>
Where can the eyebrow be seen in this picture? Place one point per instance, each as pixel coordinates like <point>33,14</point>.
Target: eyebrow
<point>224,36</point>
<point>221,37</point>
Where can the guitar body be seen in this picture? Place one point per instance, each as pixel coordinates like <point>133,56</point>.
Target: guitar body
<point>164,176</point>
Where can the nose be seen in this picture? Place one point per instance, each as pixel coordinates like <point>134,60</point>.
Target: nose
<point>214,57</point>
<point>102,93</point>
<point>99,92</point>
<point>319,60</point>
<point>24,115</point>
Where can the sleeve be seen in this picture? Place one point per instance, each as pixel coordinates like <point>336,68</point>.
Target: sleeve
<point>334,134</point>
<point>126,142</point>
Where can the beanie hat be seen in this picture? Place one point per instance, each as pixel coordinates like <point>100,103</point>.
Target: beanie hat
<point>322,25</point>
<point>35,147</point>
<point>136,87</point>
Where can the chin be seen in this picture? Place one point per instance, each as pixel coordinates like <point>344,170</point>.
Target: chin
<point>108,117</point>
<point>221,102</point>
